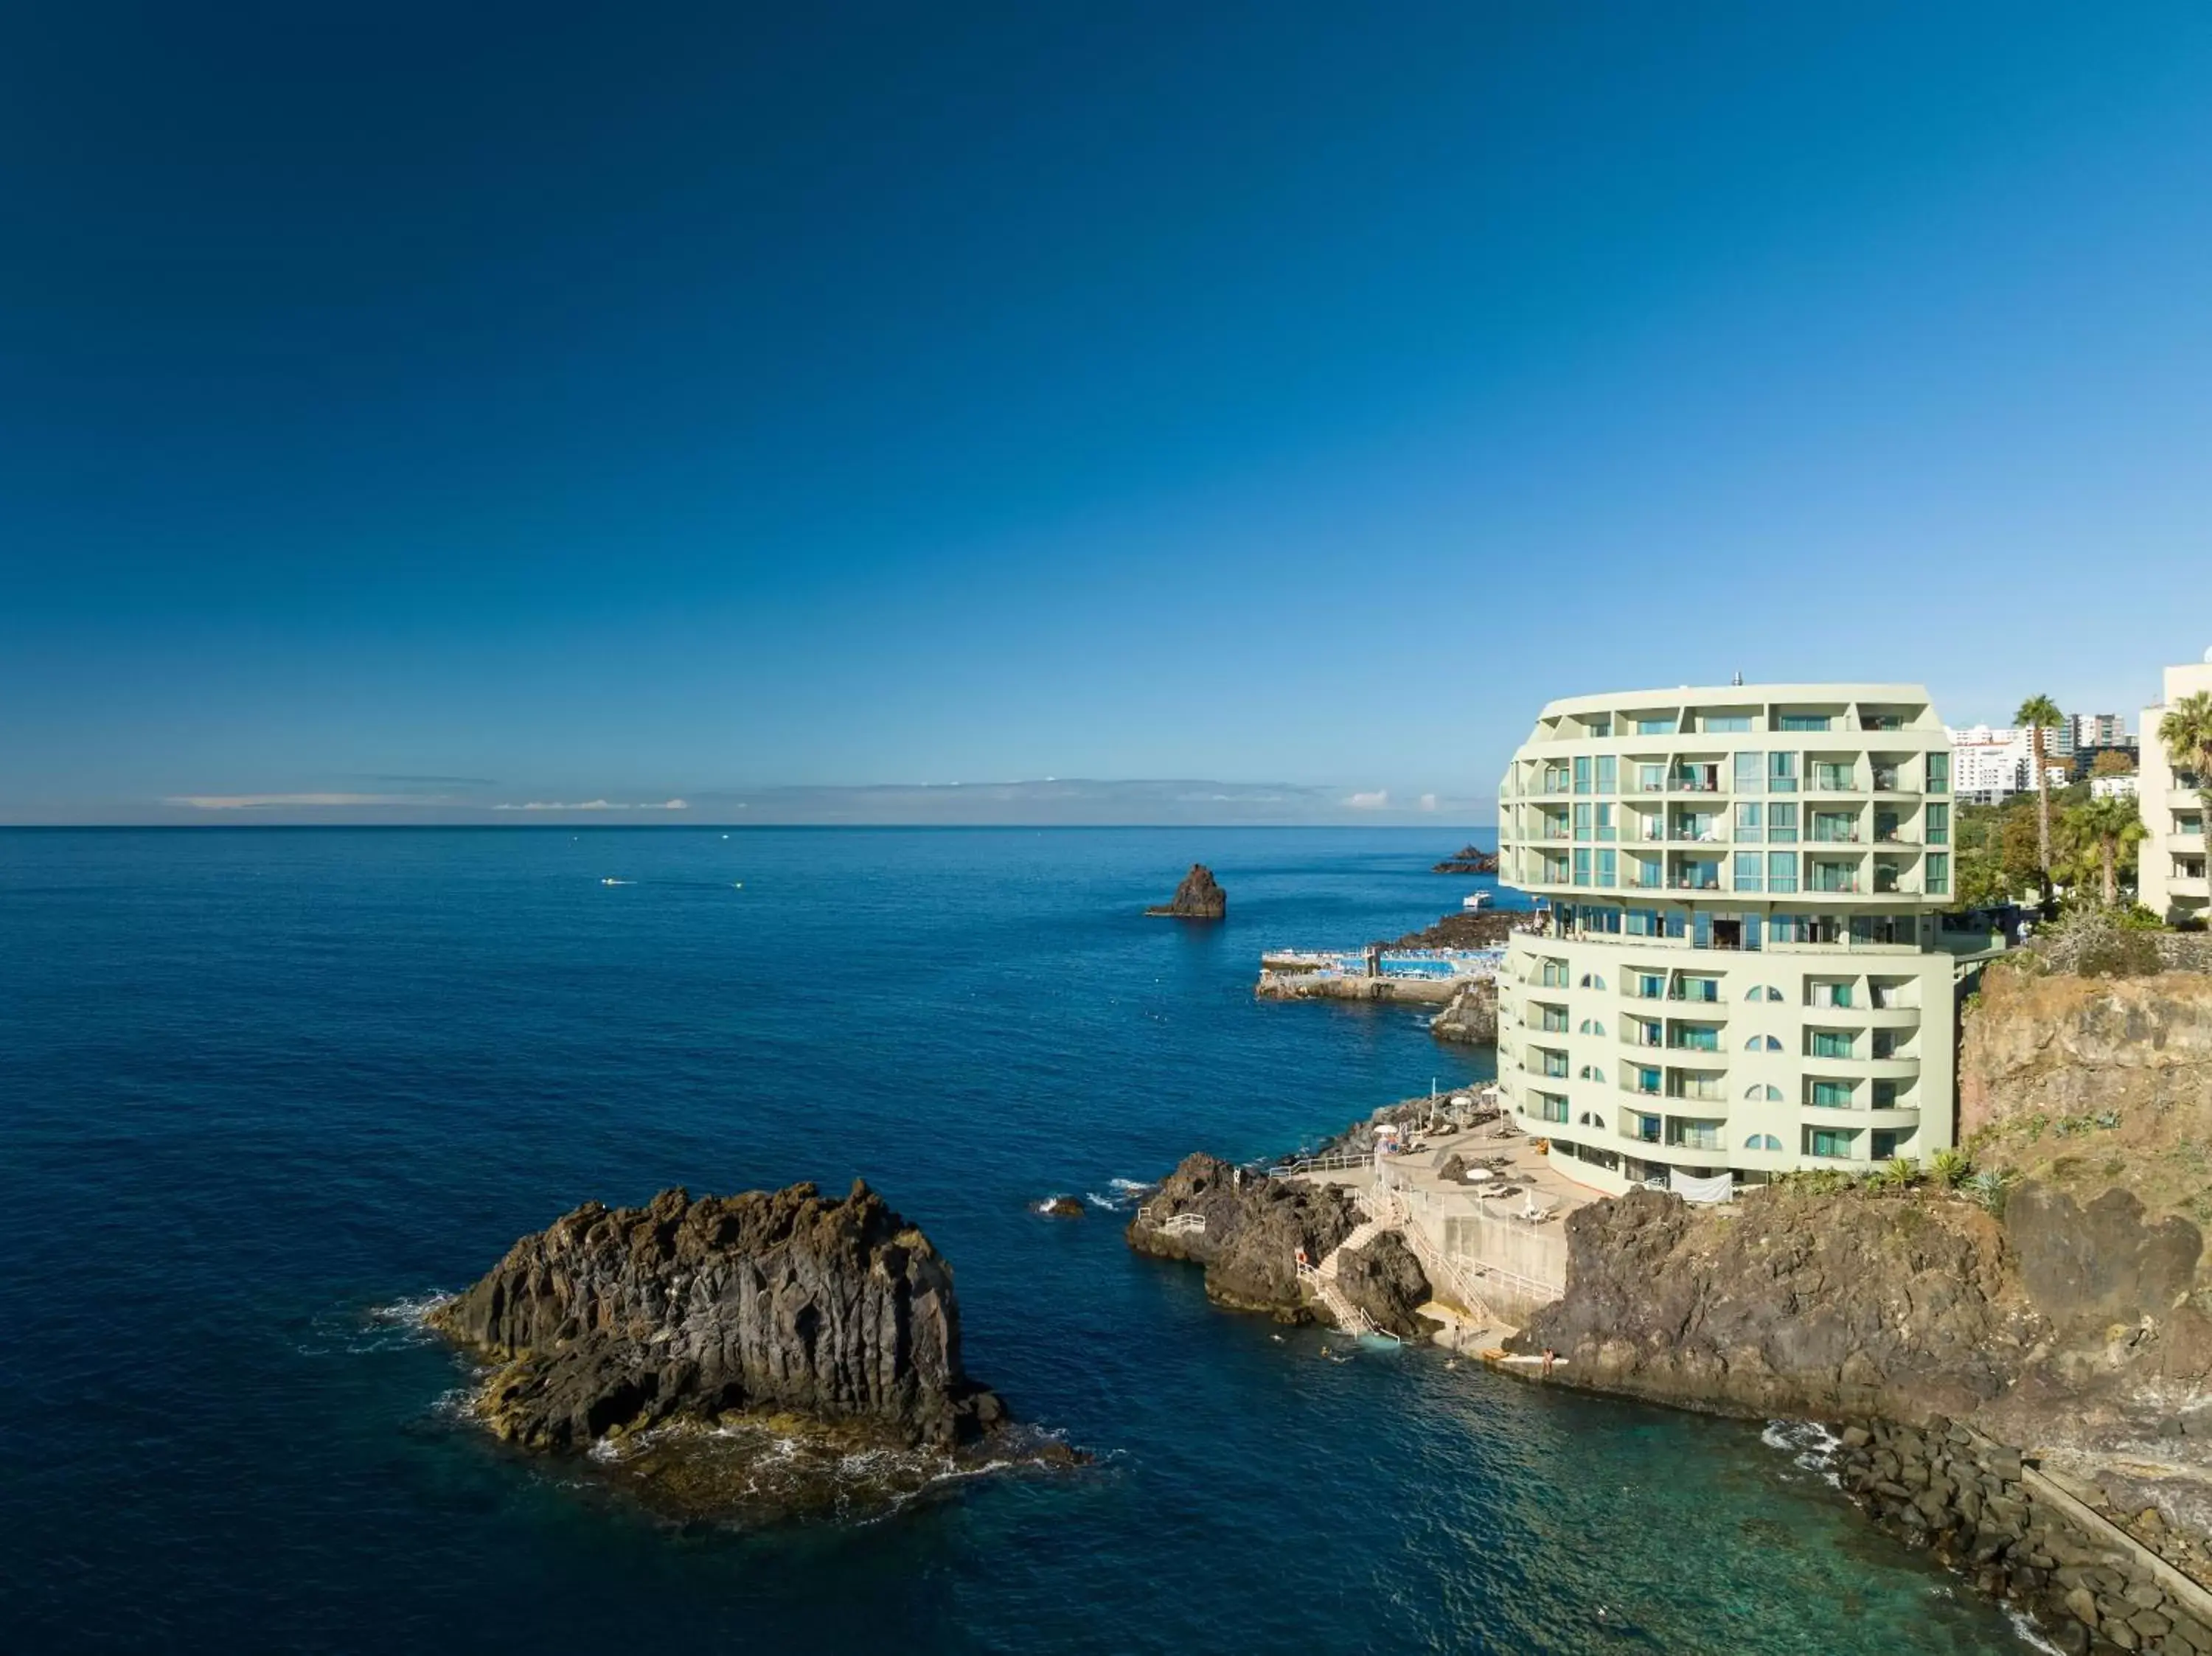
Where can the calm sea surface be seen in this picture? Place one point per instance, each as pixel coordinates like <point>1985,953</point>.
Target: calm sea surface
<point>257,1085</point>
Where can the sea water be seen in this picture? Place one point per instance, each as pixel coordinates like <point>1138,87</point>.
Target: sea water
<point>264,1094</point>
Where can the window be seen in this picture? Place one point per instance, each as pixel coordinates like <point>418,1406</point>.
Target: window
<point>1644,1127</point>
<point>1782,824</point>
<point>1553,1019</point>
<point>1581,866</point>
<point>1651,779</point>
<point>1835,779</point>
<point>1763,1093</point>
<point>1763,1044</point>
<point>1939,772</point>
<point>1747,824</point>
<point>1699,989</point>
<point>1592,980</point>
<point>1747,871</point>
<point>1782,773</point>
<point>1762,1141</point>
<point>1642,922</point>
<point>1827,1141</point>
<point>1647,1081</point>
<point>1830,1094</point>
<point>1803,722</point>
<point>1833,1043</point>
<point>1775,995</point>
<point>1781,873</point>
<point>1750,769</point>
<point>1648,986</point>
<point>1727,724</point>
<point>1936,875</point>
<point>1695,1038</point>
<point>1592,1027</point>
<point>1598,724</point>
<point>1885,1096</point>
<point>1581,821</point>
<point>1553,974</point>
<point>1939,825</point>
<point>1582,775</point>
<point>1591,1072</point>
<point>1590,1119</point>
<point>1885,1143</point>
<point>1604,827</point>
<point>1831,994</point>
<point>1662,725</point>
<point>1642,1032</point>
<point>1608,875</point>
<point>1549,1106</point>
<point>1555,1064</point>
<point>1607,771</point>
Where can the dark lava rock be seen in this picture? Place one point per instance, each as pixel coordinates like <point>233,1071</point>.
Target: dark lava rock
<point>1199,897</point>
<point>1468,859</point>
<point>1245,1229</point>
<point>613,1320</point>
<point>1470,1016</point>
<point>1386,1282</point>
<point>1063,1207</point>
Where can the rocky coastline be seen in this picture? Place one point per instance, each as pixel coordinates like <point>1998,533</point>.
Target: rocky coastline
<point>1469,858</point>
<point>686,1343</point>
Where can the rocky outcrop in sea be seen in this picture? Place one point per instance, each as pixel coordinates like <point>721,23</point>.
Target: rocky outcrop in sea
<point>780,1321</point>
<point>1470,1017</point>
<point>1199,897</point>
<point>1246,1228</point>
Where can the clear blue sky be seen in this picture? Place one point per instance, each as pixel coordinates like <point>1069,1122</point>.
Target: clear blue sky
<point>568,402</point>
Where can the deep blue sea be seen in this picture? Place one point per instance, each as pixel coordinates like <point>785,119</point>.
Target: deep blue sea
<point>257,1086</point>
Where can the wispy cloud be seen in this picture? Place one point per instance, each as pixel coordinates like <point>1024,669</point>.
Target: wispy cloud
<point>1378,800</point>
<point>1428,802</point>
<point>597,805</point>
<point>298,801</point>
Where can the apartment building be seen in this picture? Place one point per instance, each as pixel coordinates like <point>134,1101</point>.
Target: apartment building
<point>2171,878</point>
<point>1741,969</point>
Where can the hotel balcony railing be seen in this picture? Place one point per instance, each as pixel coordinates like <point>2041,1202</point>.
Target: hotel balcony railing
<point>1834,837</point>
<point>1692,784</point>
<point>1641,1134</point>
<point>1696,883</point>
<point>1689,1141</point>
<point>1698,1094</point>
<point>1832,887</point>
<point>1694,997</point>
<point>1680,1046</point>
<point>1709,836</point>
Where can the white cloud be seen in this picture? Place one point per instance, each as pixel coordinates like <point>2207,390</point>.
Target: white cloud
<point>596,804</point>
<point>1428,802</point>
<point>294,801</point>
<point>1378,800</point>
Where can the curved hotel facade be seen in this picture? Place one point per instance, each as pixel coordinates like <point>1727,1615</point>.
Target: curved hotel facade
<point>1739,971</point>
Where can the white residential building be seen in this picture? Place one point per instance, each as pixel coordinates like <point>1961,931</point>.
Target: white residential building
<point>1741,969</point>
<point>2113,787</point>
<point>1991,765</point>
<point>2170,881</point>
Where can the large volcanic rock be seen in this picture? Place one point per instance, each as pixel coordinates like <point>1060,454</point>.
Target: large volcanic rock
<point>1470,1016</point>
<point>612,1321</point>
<point>1385,1280</point>
<point>1199,897</point>
<point>1245,1229</point>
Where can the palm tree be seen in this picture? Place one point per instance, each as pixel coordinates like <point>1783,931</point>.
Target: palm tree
<point>2185,733</point>
<point>2109,824</point>
<point>2039,713</point>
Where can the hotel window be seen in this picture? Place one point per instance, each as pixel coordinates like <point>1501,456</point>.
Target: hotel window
<point>1555,1019</point>
<point>1608,773</point>
<point>1939,772</point>
<point>1747,871</point>
<point>1782,773</point>
<point>1695,1038</point>
<point>1651,779</point>
<point>1763,1093</point>
<point>1829,994</point>
<point>1582,773</point>
<point>1582,819</point>
<point>1936,874</point>
<point>1645,1127</point>
<point>1607,875</point>
<point>1747,824</point>
<point>1649,985</point>
<point>1599,723</point>
<point>1581,866</point>
<point>1604,827</point>
<point>1589,1073</point>
<point>1885,1094</point>
<point>1831,1095</point>
<point>1939,825</point>
<point>1829,778</point>
<point>1727,724</point>
<point>1782,824</point>
<point>1803,722</point>
<point>1750,769</point>
<point>1762,1141</point>
<point>1663,726</point>
<point>1549,1106</point>
<point>1643,922</point>
<point>1707,990</point>
<point>1555,1064</point>
<point>1763,1044</point>
<point>1832,1043</point>
<point>1553,974</point>
<point>1781,873</point>
<point>1592,1027</point>
<point>1644,1032</point>
<point>1827,1141</point>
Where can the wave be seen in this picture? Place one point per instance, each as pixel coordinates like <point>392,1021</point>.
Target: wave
<point>1810,1446</point>
<point>350,1331</point>
<point>2031,1634</point>
<point>1122,1194</point>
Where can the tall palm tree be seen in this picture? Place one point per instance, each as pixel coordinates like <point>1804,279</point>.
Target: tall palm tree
<point>2039,713</point>
<point>2108,824</point>
<point>2185,733</point>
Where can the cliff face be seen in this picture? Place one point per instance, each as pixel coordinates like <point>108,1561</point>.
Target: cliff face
<point>619,1319</point>
<point>1245,1229</point>
<point>1470,1016</point>
<point>2057,1045</point>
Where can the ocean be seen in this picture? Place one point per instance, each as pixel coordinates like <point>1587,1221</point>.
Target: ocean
<point>265,1089</point>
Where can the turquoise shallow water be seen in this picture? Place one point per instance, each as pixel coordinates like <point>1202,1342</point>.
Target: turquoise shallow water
<point>259,1084</point>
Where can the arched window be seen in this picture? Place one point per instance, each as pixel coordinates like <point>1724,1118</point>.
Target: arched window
<point>1763,1044</point>
<point>1591,1119</point>
<point>1762,1141</point>
<point>1760,1093</point>
<point>1592,980</point>
<point>1774,995</point>
<point>1592,1027</point>
<point>1591,1072</point>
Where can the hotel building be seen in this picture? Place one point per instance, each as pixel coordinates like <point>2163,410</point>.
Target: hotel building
<point>2170,879</point>
<point>1740,968</point>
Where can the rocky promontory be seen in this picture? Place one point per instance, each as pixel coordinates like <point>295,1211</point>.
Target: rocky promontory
<point>1470,1017</point>
<point>1246,1228</point>
<point>614,1321</point>
<point>1199,897</point>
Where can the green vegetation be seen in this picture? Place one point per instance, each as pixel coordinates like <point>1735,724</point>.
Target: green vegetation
<point>1950,1168</point>
<point>2096,832</point>
<point>2185,733</point>
<point>2038,713</point>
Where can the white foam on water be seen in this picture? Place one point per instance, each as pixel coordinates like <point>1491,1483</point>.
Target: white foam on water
<point>1128,1186</point>
<point>2030,1633</point>
<point>413,1313</point>
<point>1810,1446</point>
<point>1103,1203</point>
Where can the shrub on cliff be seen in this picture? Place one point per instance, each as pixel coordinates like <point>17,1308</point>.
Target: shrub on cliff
<point>2101,943</point>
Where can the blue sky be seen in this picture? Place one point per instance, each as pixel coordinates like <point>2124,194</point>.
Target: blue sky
<point>491,405</point>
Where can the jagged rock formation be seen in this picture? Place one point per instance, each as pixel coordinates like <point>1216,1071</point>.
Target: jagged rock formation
<point>1199,897</point>
<point>1470,1016</point>
<point>1252,1229</point>
<point>612,1321</point>
<point>1385,1280</point>
<point>1469,858</point>
<point>1481,928</point>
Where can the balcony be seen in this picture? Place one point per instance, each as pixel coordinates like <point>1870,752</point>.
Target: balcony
<point>1695,882</point>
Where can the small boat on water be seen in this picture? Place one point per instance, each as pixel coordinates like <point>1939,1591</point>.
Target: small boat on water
<point>1474,900</point>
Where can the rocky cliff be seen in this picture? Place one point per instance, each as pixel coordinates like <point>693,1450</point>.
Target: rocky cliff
<point>1470,1016</point>
<point>1246,1228</point>
<point>613,1320</point>
<point>1199,897</point>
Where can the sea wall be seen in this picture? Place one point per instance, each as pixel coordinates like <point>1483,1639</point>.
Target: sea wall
<point>1325,985</point>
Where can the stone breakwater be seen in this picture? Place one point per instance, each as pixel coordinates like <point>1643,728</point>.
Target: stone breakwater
<point>615,1321</point>
<point>1979,1508</point>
